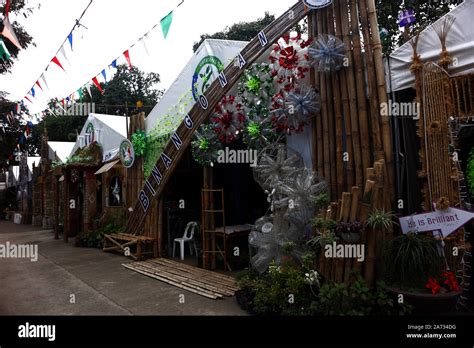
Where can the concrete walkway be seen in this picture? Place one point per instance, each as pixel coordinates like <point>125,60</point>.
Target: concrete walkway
<point>96,280</point>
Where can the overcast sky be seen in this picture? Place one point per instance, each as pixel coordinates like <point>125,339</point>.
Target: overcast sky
<point>113,26</point>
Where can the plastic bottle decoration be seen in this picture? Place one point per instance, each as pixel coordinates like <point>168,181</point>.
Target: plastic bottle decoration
<point>290,61</point>
<point>384,34</point>
<point>259,132</point>
<point>327,53</point>
<point>256,86</point>
<point>228,119</point>
<point>291,111</point>
<point>406,17</point>
<point>205,145</point>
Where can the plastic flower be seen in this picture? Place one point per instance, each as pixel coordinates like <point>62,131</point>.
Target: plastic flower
<point>451,281</point>
<point>205,145</point>
<point>228,119</point>
<point>312,278</point>
<point>290,61</point>
<point>327,53</point>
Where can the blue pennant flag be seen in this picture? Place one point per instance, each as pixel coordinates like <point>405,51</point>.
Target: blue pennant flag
<point>69,37</point>
<point>114,64</point>
<point>33,91</point>
<point>104,75</point>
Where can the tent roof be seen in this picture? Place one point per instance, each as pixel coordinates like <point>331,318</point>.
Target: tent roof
<point>110,131</point>
<point>59,150</point>
<point>178,99</point>
<point>460,43</point>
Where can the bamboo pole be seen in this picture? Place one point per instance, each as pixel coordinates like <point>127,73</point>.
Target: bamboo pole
<point>315,127</point>
<point>351,89</point>
<point>360,85</point>
<point>345,206</point>
<point>382,95</point>
<point>354,203</point>
<point>336,90</point>
<point>349,164</point>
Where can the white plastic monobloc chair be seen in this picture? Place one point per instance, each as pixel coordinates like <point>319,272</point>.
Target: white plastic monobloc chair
<point>188,236</point>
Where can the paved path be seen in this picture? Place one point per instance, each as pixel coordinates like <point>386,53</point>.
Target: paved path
<point>100,285</point>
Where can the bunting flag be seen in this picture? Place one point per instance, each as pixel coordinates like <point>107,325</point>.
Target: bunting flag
<point>28,99</point>
<point>114,64</point>
<point>104,75</point>
<point>55,60</point>
<point>4,53</point>
<point>97,84</point>
<point>166,23</point>
<point>81,94</point>
<point>127,57</point>
<point>142,40</point>
<point>7,8</point>
<point>88,88</point>
<point>39,85</point>
<point>9,33</point>
<point>33,92</point>
<point>63,52</point>
<point>44,80</point>
<point>69,37</point>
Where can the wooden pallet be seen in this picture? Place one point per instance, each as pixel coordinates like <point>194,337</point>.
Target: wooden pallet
<point>121,241</point>
<point>199,281</point>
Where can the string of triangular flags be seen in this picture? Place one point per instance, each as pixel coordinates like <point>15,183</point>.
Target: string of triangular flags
<point>165,24</point>
<point>68,42</point>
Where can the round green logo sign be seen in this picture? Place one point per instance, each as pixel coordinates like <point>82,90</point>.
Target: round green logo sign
<point>208,66</point>
<point>127,154</point>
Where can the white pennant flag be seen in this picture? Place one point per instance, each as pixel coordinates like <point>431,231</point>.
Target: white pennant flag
<point>63,52</point>
<point>144,44</point>
<point>44,80</point>
<point>88,87</point>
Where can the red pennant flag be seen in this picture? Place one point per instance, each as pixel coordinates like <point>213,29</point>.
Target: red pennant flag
<point>9,33</point>
<point>37,83</point>
<point>62,102</point>
<point>7,8</point>
<point>97,84</point>
<point>127,57</point>
<point>55,60</point>
<point>28,99</point>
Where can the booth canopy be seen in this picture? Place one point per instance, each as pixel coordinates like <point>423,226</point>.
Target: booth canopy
<point>108,130</point>
<point>460,45</point>
<point>201,70</point>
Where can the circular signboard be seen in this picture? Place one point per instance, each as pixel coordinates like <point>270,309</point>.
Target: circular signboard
<point>202,77</point>
<point>127,154</point>
<point>317,4</point>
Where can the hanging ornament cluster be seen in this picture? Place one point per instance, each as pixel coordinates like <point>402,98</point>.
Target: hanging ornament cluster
<point>327,53</point>
<point>228,119</point>
<point>205,145</point>
<point>290,61</point>
<point>256,86</point>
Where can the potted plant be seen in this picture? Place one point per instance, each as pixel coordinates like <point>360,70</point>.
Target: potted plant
<point>413,268</point>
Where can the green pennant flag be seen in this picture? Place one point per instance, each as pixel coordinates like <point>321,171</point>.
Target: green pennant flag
<point>4,54</point>
<point>166,23</point>
<point>80,94</point>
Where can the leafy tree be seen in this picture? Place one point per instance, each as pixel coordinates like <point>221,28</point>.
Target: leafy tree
<point>426,12</point>
<point>18,7</point>
<point>127,87</point>
<point>243,31</point>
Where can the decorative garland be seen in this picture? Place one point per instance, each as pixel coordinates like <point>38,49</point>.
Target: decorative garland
<point>139,142</point>
<point>327,53</point>
<point>205,145</point>
<point>228,119</point>
<point>290,61</point>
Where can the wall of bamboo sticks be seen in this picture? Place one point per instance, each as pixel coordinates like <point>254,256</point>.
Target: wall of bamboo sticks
<point>351,99</point>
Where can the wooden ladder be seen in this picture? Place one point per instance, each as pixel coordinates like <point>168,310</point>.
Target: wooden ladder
<point>209,233</point>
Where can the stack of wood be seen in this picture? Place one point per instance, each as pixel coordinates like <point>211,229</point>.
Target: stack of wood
<point>350,209</point>
<point>351,100</point>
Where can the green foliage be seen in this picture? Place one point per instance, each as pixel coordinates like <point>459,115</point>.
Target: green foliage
<point>155,146</point>
<point>139,142</point>
<point>243,31</point>
<point>357,299</point>
<point>322,200</point>
<point>113,223</point>
<point>470,172</point>
<point>380,220</point>
<point>410,259</point>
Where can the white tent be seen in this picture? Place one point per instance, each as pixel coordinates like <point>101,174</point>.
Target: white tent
<point>109,131</point>
<point>12,176</point>
<point>59,150</point>
<point>460,45</point>
<point>201,70</point>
